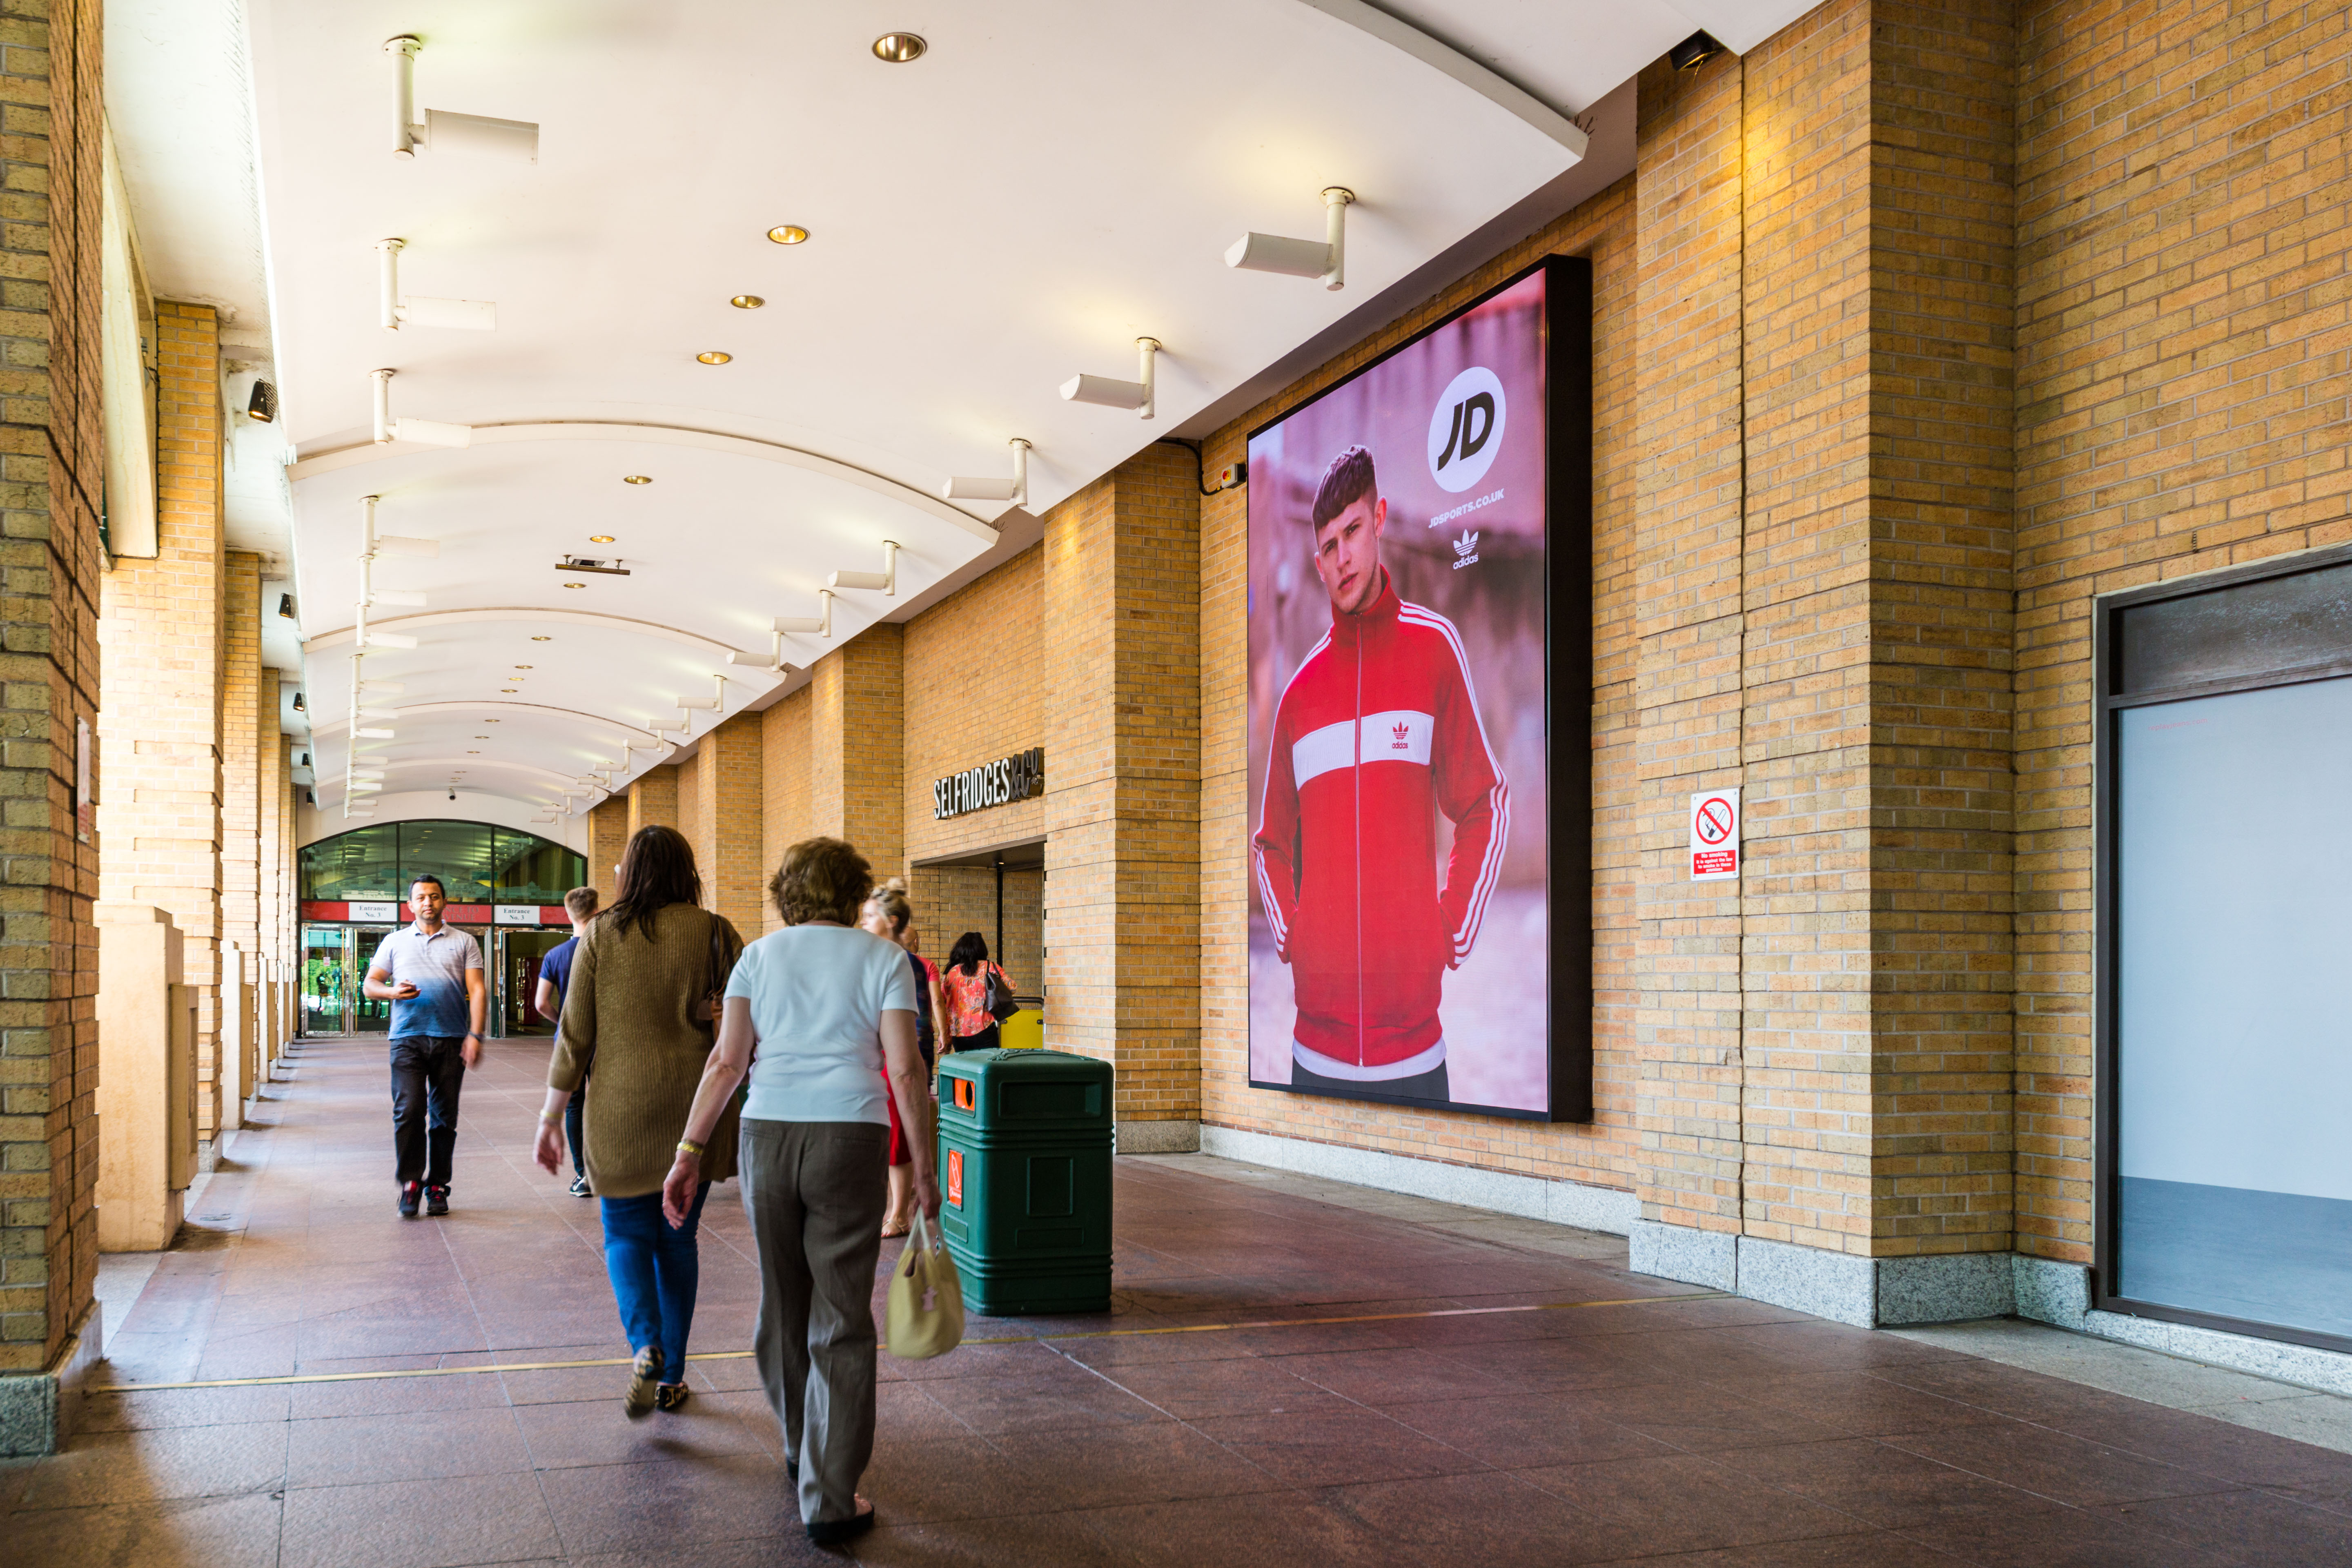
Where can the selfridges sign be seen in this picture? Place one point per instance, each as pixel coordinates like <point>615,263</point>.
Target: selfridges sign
<point>1000,782</point>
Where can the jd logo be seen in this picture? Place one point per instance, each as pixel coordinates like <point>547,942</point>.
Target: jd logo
<point>1465,429</point>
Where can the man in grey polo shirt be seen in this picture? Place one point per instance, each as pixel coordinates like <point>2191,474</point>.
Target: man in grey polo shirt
<point>432,975</point>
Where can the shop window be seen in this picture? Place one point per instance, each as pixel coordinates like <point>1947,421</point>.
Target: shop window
<point>2224,920</point>
<point>478,864</point>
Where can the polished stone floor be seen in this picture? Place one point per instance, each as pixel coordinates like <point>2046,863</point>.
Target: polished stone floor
<point>1480,1401</point>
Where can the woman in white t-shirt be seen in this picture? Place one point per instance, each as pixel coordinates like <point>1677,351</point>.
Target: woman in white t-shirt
<point>830,1009</point>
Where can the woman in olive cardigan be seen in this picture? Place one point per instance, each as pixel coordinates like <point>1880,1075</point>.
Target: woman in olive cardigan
<point>639,1005</point>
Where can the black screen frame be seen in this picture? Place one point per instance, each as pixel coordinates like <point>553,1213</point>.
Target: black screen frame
<point>2106,655</point>
<point>1567,685</point>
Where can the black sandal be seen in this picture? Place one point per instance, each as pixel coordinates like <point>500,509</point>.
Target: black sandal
<point>833,1531</point>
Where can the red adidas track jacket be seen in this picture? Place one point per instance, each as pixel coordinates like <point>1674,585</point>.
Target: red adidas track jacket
<point>1379,726</point>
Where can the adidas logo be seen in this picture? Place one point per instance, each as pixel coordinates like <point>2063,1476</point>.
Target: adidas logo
<point>1466,549</point>
<point>1403,742</point>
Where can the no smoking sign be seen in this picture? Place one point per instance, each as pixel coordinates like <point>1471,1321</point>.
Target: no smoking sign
<point>1714,835</point>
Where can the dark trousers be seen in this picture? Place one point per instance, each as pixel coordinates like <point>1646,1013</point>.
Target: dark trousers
<point>813,1194</point>
<point>656,1271</point>
<point>1430,1085</point>
<point>427,1071</point>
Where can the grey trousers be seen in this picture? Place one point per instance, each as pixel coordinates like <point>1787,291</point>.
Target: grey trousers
<point>814,1192</point>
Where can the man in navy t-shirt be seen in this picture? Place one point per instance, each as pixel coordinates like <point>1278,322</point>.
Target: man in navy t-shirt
<point>432,975</point>
<point>554,980</point>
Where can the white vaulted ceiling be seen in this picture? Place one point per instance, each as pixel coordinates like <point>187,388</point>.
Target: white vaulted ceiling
<point>1051,180</point>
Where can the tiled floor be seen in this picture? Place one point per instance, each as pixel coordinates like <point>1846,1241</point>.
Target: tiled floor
<point>1680,1427</point>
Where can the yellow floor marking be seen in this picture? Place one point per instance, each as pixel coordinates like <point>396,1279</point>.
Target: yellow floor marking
<point>1006,1339</point>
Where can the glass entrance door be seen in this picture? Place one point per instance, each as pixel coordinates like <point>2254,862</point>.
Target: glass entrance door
<point>329,982</point>
<point>370,1015</point>
<point>520,955</point>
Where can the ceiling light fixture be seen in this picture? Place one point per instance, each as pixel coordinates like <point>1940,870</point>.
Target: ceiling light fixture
<point>886,580</point>
<point>636,478</point>
<point>393,312</point>
<point>747,302</point>
<point>575,584</point>
<point>1014,489</point>
<point>424,431</point>
<point>526,667</point>
<point>262,407</point>
<point>898,49</point>
<point>600,538</point>
<point>1328,261</point>
<point>443,131</point>
<point>788,234</point>
<point>714,356</point>
<point>1108,392</point>
<point>542,639</point>
<point>1693,52</point>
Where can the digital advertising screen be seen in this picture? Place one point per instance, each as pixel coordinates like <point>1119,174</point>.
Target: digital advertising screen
<point>1418,606</point>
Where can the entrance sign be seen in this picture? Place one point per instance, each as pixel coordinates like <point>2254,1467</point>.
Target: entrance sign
<point>1714,835</point>
<point>515,914</point>
<point>1000,782</point>
<point>389,912</point>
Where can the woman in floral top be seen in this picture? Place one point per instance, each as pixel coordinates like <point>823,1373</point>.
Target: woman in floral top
<point>964,986</point>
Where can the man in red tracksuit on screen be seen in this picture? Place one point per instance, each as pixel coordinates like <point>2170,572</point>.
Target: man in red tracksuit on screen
<point>1377,732</point>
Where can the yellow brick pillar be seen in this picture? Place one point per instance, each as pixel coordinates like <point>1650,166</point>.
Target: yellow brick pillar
<point>1821,601</point>
<point>857,720</point>
<point>160,719</point>
<point>52,458</point>
<point>241,791</point>
<point>1121,625</point>
<point>608,835</point>
<point>653,799</point>
<point>726,817</point>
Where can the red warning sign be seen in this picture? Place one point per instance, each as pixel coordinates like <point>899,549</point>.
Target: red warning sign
<point>955,1178</point>
<point>1714,835</point>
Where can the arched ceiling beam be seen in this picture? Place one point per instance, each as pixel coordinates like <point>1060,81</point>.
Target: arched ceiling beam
<point>359,452</point>
<point>406,623</point>
<point>534,710</point>
<point>1402,36</point>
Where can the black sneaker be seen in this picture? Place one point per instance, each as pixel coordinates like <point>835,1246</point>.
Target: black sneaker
<point>580,1187</point>
<point>436,1200</point>
<point>409,1193</point>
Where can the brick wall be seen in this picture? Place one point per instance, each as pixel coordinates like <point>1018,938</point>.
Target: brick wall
<point>241,681</point>
<point>857,731</point>
<point>1601,1153</point>
<point>2182,394</point>
<point>726,787</point>
<point>160,722</point>
<point>608,836</point>
<point>51,460</point>
<point>690,802</point>
<point>784,810</point>
<point>652,798</point>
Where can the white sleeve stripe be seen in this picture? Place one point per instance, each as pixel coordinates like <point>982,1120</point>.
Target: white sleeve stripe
<point>1264,884</point>
<point>1490,866</point>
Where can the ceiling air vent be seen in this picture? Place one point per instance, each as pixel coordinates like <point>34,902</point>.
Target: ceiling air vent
<point>610,566</point>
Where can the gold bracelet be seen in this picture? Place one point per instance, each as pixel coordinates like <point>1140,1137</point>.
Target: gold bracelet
<point>689,1146</point>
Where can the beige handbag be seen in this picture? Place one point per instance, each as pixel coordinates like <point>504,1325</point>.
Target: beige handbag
<point>924,1315</point>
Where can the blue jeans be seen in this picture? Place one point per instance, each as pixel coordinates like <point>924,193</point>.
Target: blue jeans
<point>655,1270</point>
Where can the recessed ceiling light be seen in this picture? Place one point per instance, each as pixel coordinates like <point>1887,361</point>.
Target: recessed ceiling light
<point>481,737</point>
<point>526,667</point>
<point>788,234</point>
<point>636,478</point>
<point>542,639</point>
<point>600,538</point>
<point>493,721</point>
<point>477,754</point>
<point>747,302</point>
<point>714,356</point>
<point>898,49</point>
<point>506,692</point>
<point>575,584</point>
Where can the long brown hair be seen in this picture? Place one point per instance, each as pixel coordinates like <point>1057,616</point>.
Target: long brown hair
<point>656,871</point>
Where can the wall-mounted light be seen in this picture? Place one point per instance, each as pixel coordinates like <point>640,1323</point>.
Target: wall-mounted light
<point>393,312</point>
<point>1326,260</point>
<point>1694,51</point>
<point>299,708</point>
<point>1107,392</point>
<point>286,605</point>
<point>424,431</point>
<point>262,406</point>
<point>819,624</point>
<point>441,131</point>
<point>885,580</point>
<point>1014,489</point>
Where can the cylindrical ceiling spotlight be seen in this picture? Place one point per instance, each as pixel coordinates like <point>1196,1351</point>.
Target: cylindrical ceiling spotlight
<point>1108,392</point>
<point>899,48</point>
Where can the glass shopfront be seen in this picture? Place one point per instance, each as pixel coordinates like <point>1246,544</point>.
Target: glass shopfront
<point>2225,1093</point>
<point>505,890</point>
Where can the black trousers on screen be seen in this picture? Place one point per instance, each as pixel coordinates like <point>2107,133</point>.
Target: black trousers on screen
<point>427,1071</point>
<point>1430,1085</point>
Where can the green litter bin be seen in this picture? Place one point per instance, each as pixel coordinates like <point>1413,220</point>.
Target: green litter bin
<point>1024,1180</point>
